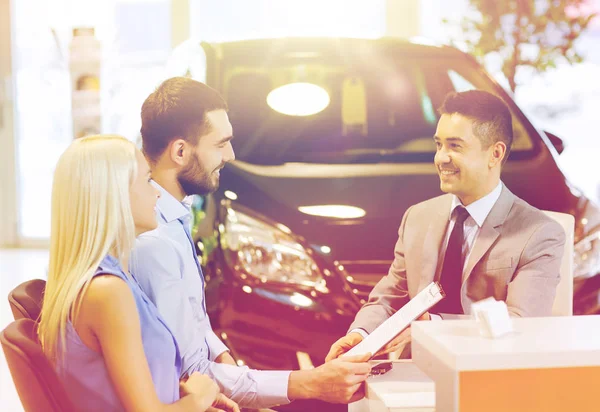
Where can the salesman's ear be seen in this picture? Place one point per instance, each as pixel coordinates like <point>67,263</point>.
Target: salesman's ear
<point>497,154</point>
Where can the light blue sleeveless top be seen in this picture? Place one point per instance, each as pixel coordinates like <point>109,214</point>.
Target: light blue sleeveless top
<point>84,372</point>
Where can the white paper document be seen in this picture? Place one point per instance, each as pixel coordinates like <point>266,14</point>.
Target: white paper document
<point>399,321</point>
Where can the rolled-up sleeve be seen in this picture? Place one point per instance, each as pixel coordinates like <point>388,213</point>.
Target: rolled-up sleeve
<point>251,388</point>
<point>215,345</point>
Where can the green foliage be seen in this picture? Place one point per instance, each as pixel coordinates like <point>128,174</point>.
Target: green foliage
<point>536,33</point>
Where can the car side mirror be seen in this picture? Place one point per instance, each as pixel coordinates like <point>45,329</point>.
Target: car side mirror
<point>557,142</point>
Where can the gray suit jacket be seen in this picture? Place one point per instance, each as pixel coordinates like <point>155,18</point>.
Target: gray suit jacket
<point>516,258</point>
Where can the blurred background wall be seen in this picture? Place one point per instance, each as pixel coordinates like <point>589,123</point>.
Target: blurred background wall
<point>142,42</point>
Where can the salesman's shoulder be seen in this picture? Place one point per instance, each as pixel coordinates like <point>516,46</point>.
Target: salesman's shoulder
<point>525,215</point>
<point>435,203</point>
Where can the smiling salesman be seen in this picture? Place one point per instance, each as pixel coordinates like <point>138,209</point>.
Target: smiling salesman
<point>478,240</point>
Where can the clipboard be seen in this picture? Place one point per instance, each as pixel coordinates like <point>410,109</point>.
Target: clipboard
<point>399,321</point>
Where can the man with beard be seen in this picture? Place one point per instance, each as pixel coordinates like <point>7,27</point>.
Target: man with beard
<point>186,136</point>
<point>478,240</point>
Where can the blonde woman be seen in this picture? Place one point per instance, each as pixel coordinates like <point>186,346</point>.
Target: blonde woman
<point>110,346</point>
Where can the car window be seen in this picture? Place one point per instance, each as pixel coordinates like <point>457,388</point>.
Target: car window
<point>375,110</point>
<point>473,80</point>
<point>459,83</point>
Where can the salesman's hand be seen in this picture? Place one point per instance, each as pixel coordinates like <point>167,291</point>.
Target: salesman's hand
<point>343,345</point>
<point>401,340</point>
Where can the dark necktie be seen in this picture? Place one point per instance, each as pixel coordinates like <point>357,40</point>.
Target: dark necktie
<point>451,275</point>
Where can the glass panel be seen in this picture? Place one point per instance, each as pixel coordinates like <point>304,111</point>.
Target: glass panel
<point>460,83</point>
<point>453,75</point>
<point>521,139</point>
<point>132,64</point>
<point>227,20</point>
<point>382,100</point>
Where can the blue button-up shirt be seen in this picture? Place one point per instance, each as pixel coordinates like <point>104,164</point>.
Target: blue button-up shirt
<point>165,264</point>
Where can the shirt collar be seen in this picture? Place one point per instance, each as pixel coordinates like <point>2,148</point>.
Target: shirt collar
<point>188,201</point>
<point>480,209</point>
<point>169,207</point>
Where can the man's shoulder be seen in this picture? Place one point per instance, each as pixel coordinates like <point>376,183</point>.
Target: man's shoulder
<point>528,213</point>
<point>529,219</point>
<point>155,258</point>
<point>437,203</point>
<point>159,238</point>
<point>153,236</point>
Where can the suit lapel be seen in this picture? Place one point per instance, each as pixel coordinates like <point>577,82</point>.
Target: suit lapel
<point>489,231</point>
<point>432,242</point>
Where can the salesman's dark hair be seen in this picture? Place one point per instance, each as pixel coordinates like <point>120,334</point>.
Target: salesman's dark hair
<point>492,121</point>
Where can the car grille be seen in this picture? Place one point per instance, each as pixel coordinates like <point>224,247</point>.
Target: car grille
<point>363,275</point>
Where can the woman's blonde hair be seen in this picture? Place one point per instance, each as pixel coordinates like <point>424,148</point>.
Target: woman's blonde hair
<point>91,218</point>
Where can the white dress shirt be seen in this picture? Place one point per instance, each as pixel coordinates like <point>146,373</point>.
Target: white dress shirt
<point>165,264</point>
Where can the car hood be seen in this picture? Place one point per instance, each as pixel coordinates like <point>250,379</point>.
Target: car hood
<point>382,192</point>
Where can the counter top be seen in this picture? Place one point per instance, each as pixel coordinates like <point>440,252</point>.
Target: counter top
<point>536,343</point>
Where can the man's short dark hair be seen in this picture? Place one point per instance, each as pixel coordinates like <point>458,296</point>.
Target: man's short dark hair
<point>492,121</point>
<point>177,109</point>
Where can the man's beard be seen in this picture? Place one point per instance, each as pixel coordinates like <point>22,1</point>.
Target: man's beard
<point>195,180</point>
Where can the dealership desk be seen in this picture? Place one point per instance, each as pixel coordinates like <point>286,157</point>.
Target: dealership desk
<point>547,364</point>
<point>405,388</point>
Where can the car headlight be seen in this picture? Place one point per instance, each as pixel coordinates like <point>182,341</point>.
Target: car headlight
<point>267,251</point>
<point>587,255</point>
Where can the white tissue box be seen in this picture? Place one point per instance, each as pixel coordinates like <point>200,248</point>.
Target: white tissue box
<point>492,317</point>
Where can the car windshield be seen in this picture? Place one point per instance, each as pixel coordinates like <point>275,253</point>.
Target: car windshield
<point>370,105</point>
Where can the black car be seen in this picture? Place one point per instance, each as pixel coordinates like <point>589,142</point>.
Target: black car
<point>306,219</point>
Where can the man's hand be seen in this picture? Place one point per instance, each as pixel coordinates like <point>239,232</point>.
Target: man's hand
<point>343,345</point>
<point>338,381</point>
<point>401,340</point>
<point>223,404</point>
<point>225,357</point>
